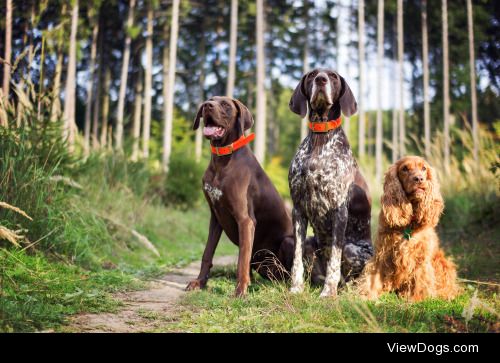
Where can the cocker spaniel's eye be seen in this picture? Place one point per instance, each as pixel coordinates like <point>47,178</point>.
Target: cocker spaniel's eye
<point>405,168</point>
<point>424,168</point>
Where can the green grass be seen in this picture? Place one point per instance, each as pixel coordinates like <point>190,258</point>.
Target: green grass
<point>38,294</point>
<point>269,307</point>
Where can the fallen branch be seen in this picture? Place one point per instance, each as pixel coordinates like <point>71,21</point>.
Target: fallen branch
<point>480,282</point>
<point>65,180</point>
<point>141,238</point>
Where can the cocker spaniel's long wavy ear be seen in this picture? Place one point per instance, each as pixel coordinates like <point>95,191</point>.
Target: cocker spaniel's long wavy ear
<point>432,205</point>
<point>396,208</point>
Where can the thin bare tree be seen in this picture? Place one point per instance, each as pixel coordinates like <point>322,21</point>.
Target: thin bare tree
<point>232,49</point>
<point>260,124</point>
<point>401,113</point>
<point>7,54</point>
<point>305,66</point>
<point>136,128</point>
<point>446,85</point>
<point>90,81</point>
<point>123,79</point>
<point>148,81</point>
<point>361,102</point>
<point>380,69</point>
<point>425,66</point>
<point>105,108</point>
<point>169,102</point>
<point>472,66</point>
<point>70,92</point>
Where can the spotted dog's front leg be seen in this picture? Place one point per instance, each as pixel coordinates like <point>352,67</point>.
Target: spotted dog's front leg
<point>300,230</point>
<point>333,268</point>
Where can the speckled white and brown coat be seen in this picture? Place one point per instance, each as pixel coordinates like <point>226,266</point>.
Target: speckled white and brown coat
<point>327,189</point>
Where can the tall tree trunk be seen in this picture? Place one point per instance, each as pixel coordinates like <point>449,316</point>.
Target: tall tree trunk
<point>90,85</point>
<point>472,66</point>
<point>446,86</point>
<point>70,92</point>
<point>55,112</point>
<point>148,80</point>
<point>305,67</point>
<point>361,102</point>
<point>8,54</point>
<point>260,125</point>
<point>425,66</point>
<point>232,49</point>
<point>395,135</point>
<point>136,128</point>
<point>123,79</point>
<point>380,70</point>
<point>105,108</point>
<point>169,104</point>
<point>97,99</point>
<point>201,83</point>
<point>402,131</point>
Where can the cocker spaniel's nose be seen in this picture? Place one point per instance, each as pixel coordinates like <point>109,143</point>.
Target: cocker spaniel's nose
<point>321,80</point>
<point>418,179</point>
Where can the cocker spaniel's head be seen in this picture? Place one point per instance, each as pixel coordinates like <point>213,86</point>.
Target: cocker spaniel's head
<point>411,192</point>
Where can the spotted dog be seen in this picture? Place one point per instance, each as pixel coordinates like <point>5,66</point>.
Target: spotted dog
<point>327,188</point>
<point>243,202</point>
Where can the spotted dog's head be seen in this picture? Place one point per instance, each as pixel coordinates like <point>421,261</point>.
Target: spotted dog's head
<point>324,93</point>
<point>222,117</point>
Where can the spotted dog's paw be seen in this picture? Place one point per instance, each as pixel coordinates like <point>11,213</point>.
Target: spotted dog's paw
<point>297,289</point>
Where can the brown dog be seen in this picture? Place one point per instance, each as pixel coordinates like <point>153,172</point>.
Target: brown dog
<point>243,201</point>
<point>408,259</point>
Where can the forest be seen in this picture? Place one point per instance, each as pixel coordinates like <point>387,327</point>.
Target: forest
<point>100,169</point>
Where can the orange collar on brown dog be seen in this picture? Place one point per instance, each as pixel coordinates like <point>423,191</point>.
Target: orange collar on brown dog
<point>229,149</point>
<point>325,126</point>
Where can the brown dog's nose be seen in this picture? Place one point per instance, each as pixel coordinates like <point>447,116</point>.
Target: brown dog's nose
<point>321,80</point>
<point>208,105</point>
<point>418,179</point>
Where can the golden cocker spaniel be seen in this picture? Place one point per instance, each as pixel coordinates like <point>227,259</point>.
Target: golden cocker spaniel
<point>408,259</point>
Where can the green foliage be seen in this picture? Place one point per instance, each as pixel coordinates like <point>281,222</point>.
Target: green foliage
<point>37,294</point>
<point>279,176</point>
<point>183,182</point>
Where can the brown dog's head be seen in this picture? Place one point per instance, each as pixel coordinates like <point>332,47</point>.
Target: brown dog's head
<point>409,183</point>
<point>324,92</point>
<point>223,116</point>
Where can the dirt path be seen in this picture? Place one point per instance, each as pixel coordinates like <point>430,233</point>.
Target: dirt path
<point>146,309</point>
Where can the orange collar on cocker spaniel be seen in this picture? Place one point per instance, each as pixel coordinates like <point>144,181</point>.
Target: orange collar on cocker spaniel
<point>408,259</point>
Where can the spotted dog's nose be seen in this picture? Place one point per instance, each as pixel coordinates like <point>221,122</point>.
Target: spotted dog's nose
<point>320,80</point>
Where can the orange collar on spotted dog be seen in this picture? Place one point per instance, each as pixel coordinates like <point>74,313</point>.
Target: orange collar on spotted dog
<point>229,149</point>
<point>325,126</point>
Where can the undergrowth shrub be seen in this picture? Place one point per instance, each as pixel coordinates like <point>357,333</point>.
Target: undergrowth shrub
<point>183,183</point>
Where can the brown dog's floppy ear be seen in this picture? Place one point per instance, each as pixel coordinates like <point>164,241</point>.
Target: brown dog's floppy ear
<point>298,101</point>
<point>244,115</point>
<point>396,208</point>
<point>432,205</point>
<point>196,122</point>
<point>348,103</point>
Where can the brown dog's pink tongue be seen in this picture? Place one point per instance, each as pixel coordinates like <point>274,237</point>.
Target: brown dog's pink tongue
<point>209,130</point>
<point>216,131</point>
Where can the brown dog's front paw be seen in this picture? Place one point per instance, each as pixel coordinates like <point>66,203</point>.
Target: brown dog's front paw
<point>195,285</point>
<point>241,290</point>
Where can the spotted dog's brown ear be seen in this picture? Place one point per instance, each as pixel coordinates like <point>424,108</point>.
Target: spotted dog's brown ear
<point>298,101</point>
<point>196,122</point>
<point>244,115</point>
<point>348,103</point>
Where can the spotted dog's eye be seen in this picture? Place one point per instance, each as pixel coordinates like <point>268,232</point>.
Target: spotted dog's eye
<point>312,74</point>
<point>333,75</point>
